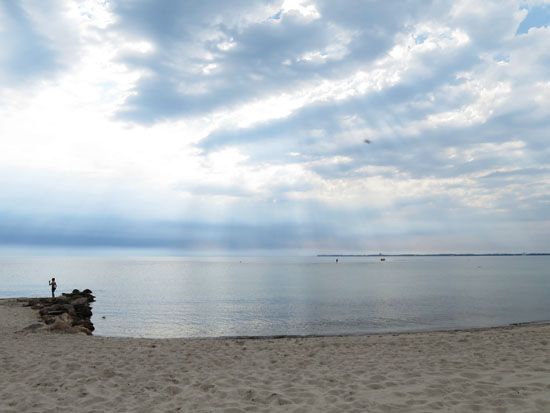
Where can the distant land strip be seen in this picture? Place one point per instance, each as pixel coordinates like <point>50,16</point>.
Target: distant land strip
<point>490,254</point>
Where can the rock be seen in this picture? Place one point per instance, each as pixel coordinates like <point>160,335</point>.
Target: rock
<point>81,329</point>
<point>70,309</point>
<point>54,312</point>
<point>66,318</point>
<point>84,323</point>
<point>48,319</point>
<point>60,326</point>
<point>34,327</point>
<point>56,309</point>
<point>44,311</point>
<point>68,313</point>
<point>79,301</point>
<point>83,310</point>
<point>38,302</point>
<point>77,294</point>
<point>61,300</point>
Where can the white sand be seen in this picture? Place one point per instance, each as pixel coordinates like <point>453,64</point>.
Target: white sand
<point>493,370</point>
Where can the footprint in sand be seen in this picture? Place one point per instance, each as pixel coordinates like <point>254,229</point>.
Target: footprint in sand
<point>275,398</point>
<point>249,395</point>
<point>108,373</point>
<point>173,390</point>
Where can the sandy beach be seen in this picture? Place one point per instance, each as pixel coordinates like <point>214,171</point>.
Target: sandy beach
<point>504,369</point>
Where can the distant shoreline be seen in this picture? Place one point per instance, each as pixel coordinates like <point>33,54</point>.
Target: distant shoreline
<point>514,254</point>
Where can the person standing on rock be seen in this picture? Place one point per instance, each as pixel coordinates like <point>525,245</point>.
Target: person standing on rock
<point>53,284</point>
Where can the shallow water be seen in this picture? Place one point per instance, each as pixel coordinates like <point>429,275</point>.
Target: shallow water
<point>198,297</point>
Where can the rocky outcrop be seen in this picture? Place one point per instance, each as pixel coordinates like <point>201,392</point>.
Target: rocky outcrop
<point>69,313</point>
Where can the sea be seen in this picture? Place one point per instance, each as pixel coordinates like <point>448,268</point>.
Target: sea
<point>257,296</point>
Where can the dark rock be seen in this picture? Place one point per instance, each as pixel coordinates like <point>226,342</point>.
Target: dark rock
<point>39,301</point>
<point>55,309</point>
<point>83,310</point>
<point>69,313</point>
<point>60,325</point>
<point>55,312</point>
<point>70,310</point>
<point>34,327</point>
<point>48,319</point>
<point>84,323</point>
<point>61,300</point>
<point>79,301</point>
<point>81,329</point>
<point>77,294</point>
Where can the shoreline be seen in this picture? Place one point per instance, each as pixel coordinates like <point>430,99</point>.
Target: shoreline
<point>499,369</point>
<point>305,336</point>
<point>329,335</point>
<point>18,300</point>
<point>343,335</point>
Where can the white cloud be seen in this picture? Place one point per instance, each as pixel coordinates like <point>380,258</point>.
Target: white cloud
<point>452,96</point>
<point>305,8</point>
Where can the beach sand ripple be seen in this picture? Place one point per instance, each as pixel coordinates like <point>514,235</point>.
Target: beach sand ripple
<point>498,370</point>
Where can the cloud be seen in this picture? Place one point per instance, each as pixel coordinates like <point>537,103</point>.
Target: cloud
<point>26,53</point>
<point>108,231</point>
<point>230,60</point>
<point>237,125</point>
<point>40,41</point>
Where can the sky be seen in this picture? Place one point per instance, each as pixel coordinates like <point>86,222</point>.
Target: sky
<point>315,126</point>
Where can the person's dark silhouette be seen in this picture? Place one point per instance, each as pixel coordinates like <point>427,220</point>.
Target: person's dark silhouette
<point>53,284</point>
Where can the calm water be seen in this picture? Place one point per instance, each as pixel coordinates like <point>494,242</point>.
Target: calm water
<point>190,297</point>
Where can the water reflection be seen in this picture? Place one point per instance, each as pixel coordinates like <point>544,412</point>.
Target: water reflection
<point>213,297</point>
